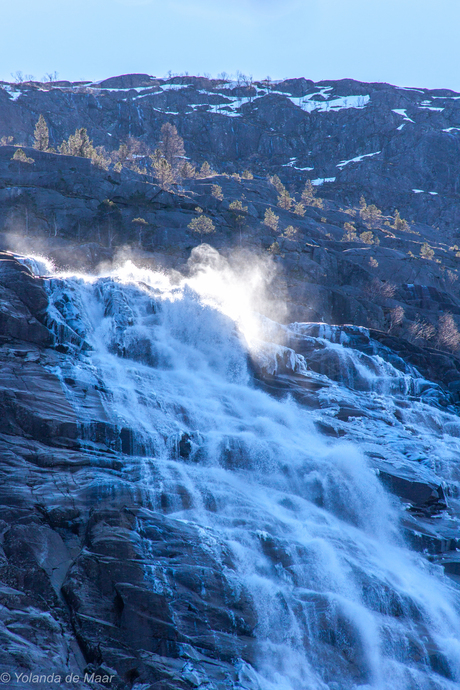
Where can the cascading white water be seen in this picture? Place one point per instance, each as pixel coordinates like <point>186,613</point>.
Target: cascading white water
<point>341,602</point>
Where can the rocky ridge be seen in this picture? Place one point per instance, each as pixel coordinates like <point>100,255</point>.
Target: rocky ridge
<point>397,146</point>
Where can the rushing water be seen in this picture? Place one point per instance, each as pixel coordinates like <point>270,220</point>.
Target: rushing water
<point>341,601</point>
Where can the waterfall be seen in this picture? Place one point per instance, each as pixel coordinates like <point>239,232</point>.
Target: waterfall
<point>300,522</point>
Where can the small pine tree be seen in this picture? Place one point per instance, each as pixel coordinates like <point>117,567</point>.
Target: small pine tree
<point>100,158</point>
<point>206,170</point>
<point>290,232</point>
<point>22,157</point>
<point>373,216</point>
<point>299,209</point>
<point>309,196</point>
<point>6,141</point>
<point>426,252</point>
<point>350,233</point>
<point>216,191</point>
<point>278,185</point>
<point>188,171</point>
<point>163,171</point>
<point>284,200</point>
<point>271,220</point>
<point>370,214</point>
<point>238,206</point>
<point>367,237</point>
<point>171,145</point>
<point>41,135</point>
<point>203,225</point>
<point>78,144</point>
<point>122,154</point>
<point>274,248</point>
<point>399,223</point>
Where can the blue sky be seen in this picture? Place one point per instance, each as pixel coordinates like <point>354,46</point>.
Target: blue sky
<point>405,42</point>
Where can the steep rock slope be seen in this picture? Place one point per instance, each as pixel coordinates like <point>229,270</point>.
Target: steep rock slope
<point>398,146</point>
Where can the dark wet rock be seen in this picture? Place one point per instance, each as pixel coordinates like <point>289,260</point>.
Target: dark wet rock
<point>18,278</point>
<point>424,498</point>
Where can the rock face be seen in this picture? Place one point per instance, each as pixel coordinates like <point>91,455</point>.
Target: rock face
<point>399,147</point>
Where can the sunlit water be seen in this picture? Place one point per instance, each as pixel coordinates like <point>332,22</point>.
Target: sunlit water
<point>341,602</point>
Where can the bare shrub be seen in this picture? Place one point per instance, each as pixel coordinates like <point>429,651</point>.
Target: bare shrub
<point>448,336</point>
<point>381,288</point>
<point>421,330</point>
<point>395,318</point>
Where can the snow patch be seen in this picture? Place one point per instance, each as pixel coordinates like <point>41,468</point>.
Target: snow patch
<point>409,88</point>
<point>308,104</point>
<point>291,164</point>
<point>402,112</point>
<point>173,87</point>
<point>430,107</point>
<point>321,180</point>
<point>13,94</point>
<point>358,159</point>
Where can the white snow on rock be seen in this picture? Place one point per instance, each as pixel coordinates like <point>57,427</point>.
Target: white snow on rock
<point>402,112</point>
<point>358,159</point>
<point>409,88</point>
<point>422,191</point>
<point>430,107</point>
<point>308,104</point>
<point>321,180</point>
<point>291,164</point>
<point>173,87</point>
<point>14,95</point>
<point>452,129</point>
